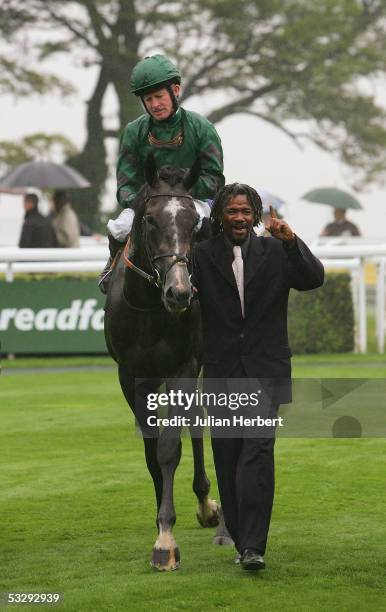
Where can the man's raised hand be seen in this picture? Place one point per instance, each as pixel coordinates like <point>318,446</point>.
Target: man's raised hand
<point>279,228</point>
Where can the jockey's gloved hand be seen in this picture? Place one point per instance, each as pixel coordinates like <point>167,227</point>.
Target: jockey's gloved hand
<point>120,227</point>
<point>203,209</point>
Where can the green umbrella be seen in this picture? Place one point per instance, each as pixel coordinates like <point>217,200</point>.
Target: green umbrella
<point>332,197</point>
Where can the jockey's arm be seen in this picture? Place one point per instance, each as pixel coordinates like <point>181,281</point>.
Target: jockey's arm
<point>211,178</point>
<point>127,173</point>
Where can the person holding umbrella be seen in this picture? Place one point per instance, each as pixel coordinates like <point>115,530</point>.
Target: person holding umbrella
<point>65,221</point>
<point>43,174</point>
<point>37,231</point>
<point>340,201</point>
<point>340,226</point>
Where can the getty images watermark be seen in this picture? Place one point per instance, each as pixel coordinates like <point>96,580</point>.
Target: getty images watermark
<point>227,407</point>
<point>301,408</point>
<point>232,401</point>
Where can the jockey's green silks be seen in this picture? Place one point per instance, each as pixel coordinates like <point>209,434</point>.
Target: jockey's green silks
<point>200,139</point>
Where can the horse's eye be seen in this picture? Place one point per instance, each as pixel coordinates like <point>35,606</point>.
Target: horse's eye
<point>151,220</point>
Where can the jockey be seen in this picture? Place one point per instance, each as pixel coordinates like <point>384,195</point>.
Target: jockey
<point>175,136</point>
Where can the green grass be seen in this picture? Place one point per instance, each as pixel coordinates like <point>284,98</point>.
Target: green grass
<point>57,362</point>
<point>339,365</point>
<point>77,508</point>
<point>326,365</point>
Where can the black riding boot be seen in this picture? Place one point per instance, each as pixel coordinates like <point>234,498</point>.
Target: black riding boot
<point>104,278</point>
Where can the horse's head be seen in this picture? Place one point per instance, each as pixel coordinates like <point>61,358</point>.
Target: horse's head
<point>168,228</point>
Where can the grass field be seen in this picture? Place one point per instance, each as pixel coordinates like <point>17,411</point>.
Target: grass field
<point>77,506</point>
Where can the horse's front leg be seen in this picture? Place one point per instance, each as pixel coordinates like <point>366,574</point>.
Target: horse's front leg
<point>207,511</point>
<point>136,396</point>
<point>166,554</point>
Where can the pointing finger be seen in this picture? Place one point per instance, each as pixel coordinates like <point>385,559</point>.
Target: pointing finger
<point>272,212</point>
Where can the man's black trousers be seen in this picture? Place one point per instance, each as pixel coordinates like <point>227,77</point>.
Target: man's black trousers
<point>246,476</point>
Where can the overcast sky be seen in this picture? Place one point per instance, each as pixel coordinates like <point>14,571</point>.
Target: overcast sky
<point>254,153</point>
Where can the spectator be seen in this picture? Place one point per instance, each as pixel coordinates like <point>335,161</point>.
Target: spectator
<point>340,226</point>
<point>37,231</point>
<point>65,221</point>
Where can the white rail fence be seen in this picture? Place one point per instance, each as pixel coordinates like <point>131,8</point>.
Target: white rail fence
<point>351,257</point>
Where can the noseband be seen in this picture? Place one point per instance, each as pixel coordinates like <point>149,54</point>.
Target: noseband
<point>154,278</point>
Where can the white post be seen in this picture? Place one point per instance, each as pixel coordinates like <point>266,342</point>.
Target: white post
<point>9,272</point>
<point>362,309</point>
<point>380,305</point>
<point>355,301</point>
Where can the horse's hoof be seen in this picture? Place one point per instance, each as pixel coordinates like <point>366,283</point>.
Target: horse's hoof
<point>222,537</point>
<point>208,513</point>
<point>222,540</point>
<point>209,521</point>
<point>165,560</point>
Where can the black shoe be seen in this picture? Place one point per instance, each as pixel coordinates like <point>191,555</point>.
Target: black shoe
<point>251,560</point>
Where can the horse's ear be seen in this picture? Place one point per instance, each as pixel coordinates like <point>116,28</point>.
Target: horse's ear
<point>150,170</point>
<point>193,174</point>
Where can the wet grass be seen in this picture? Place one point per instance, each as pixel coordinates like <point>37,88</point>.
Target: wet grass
<point>77,509</point>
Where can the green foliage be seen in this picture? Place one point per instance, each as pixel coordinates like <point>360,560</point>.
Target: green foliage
<point>21,81</point>
<point>322,321</point>
<point>50,147</point>
<point>39,276</point>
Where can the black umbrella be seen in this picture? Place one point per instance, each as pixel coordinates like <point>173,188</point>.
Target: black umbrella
<point>44,175</point>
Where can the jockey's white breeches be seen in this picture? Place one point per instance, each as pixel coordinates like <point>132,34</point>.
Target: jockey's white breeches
<point>120,227</point>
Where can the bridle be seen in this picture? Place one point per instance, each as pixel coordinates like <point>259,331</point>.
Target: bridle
<point>154,278</point>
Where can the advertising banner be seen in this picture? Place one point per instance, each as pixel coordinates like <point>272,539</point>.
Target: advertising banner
<point>51,316</point>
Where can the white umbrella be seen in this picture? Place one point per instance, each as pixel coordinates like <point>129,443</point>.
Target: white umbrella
<point>268,199</point>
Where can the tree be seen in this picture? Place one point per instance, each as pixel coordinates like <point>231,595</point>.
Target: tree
<point>297,64</point>
<point>51,147</point>
<point>16,76</point>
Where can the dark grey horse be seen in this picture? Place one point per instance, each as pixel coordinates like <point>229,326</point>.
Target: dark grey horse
<point>152,330</point>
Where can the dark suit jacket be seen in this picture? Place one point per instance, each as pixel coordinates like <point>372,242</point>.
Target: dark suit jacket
<point>37,232</point>
<point>259,342</point>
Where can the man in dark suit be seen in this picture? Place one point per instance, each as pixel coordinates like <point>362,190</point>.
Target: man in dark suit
<point>37,231</point>
<point>243,282</point>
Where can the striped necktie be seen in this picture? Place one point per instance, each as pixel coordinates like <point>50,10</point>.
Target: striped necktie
<point>238,270</point>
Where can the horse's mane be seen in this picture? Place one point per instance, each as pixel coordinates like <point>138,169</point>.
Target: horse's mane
<point>172,176</point>
<point>169,175</point>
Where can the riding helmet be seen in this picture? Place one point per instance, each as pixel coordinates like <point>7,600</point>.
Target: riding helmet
<point>152,72</point>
